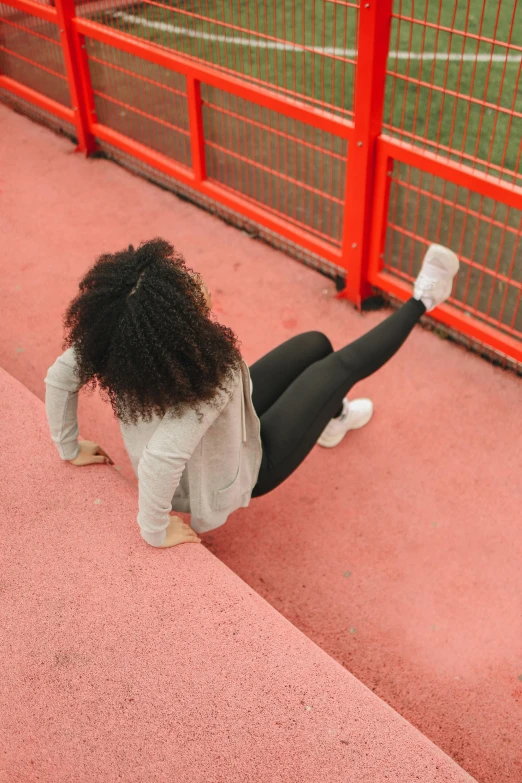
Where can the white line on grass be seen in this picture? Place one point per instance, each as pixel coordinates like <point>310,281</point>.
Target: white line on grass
<point>291,47</point>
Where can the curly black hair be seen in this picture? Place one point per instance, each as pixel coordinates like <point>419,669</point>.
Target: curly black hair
<point>142,331</point>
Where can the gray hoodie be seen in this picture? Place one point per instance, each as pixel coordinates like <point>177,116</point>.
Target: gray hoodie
<point>207,468</point>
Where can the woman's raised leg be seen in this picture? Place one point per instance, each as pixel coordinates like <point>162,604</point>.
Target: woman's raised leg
<point>292,425</point>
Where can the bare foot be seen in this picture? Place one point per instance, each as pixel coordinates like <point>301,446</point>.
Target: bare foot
<point>179,532</point>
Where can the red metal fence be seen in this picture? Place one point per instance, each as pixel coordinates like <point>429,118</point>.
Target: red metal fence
<point>358,132</point>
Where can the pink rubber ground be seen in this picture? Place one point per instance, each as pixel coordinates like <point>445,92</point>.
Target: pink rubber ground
<point>128,663</point>
<point>399,552</point>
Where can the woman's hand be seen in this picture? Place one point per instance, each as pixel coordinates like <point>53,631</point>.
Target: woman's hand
<point>89,454</point>
<point>179,532</point>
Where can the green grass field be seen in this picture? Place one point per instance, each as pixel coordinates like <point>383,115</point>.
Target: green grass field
<point>489,134</point>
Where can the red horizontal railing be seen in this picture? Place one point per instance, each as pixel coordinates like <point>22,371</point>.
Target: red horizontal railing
<point>330,185</point>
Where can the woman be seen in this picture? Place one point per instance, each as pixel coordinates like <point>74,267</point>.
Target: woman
<point>204,433</point>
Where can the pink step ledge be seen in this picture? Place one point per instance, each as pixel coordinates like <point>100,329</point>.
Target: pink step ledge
<point>122,662</point>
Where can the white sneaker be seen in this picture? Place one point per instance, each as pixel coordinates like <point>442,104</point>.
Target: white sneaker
<point>435,280</point>
<point>355,415</point>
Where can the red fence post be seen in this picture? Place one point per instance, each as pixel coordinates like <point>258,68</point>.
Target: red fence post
<point>372,55</point>
<point>197,136</point>
<point>73,66</point>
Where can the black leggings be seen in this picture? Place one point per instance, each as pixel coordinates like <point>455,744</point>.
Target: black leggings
<point>300,386</point>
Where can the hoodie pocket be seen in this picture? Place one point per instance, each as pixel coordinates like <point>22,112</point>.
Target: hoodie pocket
<point>223,498</point>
